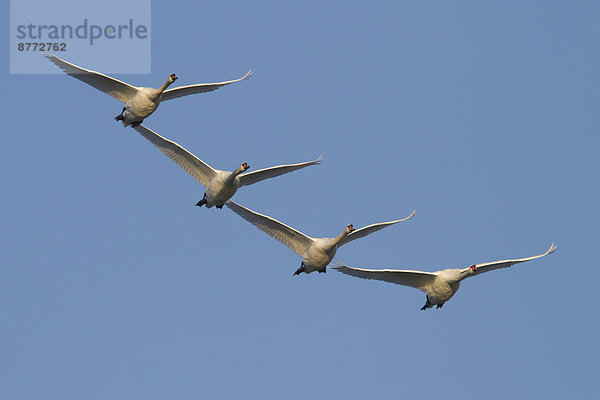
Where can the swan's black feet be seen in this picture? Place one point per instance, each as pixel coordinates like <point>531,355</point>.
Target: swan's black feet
<point>323,270</point>
<point>120,117</point>
<point>427,305</point>
<point>136,123</point>
<point>201,202</point>
<point>299,270</point>
<point>219,207</point>
<point>439,306</point>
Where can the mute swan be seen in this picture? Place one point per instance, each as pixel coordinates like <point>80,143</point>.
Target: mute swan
<point>439,286</point>
<point>316,253</point>
<point>140,102</point>
<point>220,185</point>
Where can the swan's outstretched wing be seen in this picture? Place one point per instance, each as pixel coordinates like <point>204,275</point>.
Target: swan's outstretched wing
<point>367,230</point>
<point>113,87</point>
<point>490,266</point>
<point>297,241</point>
<point>199,88</point>
<point>266,173</point>
<point>191,164</point>
<point>417,279</point>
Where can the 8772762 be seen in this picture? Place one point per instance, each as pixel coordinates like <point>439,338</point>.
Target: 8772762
<point>41,46</point>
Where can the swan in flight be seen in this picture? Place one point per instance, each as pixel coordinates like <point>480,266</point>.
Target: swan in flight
<point>439,286</point>
<point>140,102</point>
<point>316,253</point>
<point>220,185</point>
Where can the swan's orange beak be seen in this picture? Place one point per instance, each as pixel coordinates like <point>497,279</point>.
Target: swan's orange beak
<point>174,77</point>
<point>473,267</point>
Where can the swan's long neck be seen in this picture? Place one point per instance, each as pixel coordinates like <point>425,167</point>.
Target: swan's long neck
<point>232,176</point>
<point>459,274</point>
<point>156,94</point>
<point>165,86</point>
<point>338,239</point>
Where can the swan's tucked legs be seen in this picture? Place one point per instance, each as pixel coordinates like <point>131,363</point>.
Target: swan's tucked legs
<point>299,270</point>
<point>439,306</point>
<point>219,207</point>
<point>427,305</point>
<point>323,270</point>
<point>137,123</point>
<point>120,117</point>
<point>201,202</point>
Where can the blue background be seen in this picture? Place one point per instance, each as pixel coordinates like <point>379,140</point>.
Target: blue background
<point>479,114</point>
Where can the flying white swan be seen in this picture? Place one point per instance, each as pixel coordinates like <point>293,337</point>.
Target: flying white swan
<point>439,286</point>
<point>220,185</point>
<point>316,253</point>
<point>140,102</point>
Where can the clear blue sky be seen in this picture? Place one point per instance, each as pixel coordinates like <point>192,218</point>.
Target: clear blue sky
<point>481,116</point>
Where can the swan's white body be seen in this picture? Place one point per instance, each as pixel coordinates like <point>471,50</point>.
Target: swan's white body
<point>316,253</point>
<point>439,286</point>
<point>140,102</point>
<point>143,104</point>
<point>220,185</point>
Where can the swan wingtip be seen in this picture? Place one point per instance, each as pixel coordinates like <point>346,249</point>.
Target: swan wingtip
<point>412,214</point>
<point>52,57</point>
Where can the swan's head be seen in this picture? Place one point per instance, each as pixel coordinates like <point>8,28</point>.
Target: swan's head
<point>245,166</point>
<point>468,271</point>
<point>172,78</point>
<point>350,228</point>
